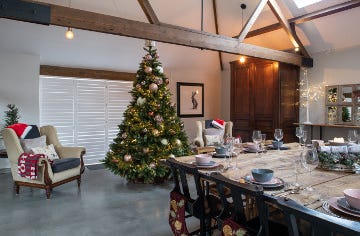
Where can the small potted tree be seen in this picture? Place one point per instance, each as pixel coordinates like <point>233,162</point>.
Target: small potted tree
<point>11,117</point>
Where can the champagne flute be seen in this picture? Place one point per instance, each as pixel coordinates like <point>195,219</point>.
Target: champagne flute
<point>310,160</point>
<point>256,137</point>
<point>262,145</point>
<point>278,135</point>
<point>352,136</point>
<point>305,137</point>
<point>299,133</point>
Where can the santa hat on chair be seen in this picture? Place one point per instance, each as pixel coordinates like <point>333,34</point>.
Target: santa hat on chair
<point>217,123</point>
<point>20,129</point>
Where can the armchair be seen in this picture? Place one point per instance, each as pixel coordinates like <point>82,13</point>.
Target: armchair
<point>47,177</point>
<point>200,140</point>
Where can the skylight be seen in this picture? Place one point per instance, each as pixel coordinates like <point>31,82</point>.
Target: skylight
<point>304,3</point>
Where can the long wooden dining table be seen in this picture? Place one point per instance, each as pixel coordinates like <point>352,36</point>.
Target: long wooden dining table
<point>324,184</point>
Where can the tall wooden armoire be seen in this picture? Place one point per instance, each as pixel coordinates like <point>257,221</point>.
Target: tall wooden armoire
<point>264,96</point>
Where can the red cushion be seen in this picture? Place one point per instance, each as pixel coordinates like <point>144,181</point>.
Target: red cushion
<point>19,128</point>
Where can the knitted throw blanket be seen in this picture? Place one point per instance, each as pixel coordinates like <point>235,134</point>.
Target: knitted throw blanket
<point>28,165</point>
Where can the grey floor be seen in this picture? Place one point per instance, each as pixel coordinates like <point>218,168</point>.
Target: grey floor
<point>105,205</point>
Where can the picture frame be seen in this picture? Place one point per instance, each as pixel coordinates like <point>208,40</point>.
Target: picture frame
<point>190,99</point>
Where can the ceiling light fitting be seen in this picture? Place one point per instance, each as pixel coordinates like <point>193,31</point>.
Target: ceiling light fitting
<point>69,33</point>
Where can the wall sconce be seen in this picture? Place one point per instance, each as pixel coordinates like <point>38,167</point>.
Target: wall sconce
<point>69,33</point>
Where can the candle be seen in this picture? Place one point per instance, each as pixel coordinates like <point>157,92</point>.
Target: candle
<point>149,43</point>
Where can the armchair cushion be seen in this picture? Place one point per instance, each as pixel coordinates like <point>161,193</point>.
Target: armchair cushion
<point>28,144</point>
<point>47,150</point>
<point>212,140</point>
<point>33,133</point>
<point>60,165</point>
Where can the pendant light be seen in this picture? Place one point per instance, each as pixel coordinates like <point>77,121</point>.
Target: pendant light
<point>69,33</point>
<point>243,7</point>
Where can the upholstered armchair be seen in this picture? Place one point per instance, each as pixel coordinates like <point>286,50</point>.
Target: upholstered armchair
<point>48,176</point>
<point>203,135</point>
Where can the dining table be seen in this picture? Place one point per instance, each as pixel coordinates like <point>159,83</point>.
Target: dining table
<point>314,189</point>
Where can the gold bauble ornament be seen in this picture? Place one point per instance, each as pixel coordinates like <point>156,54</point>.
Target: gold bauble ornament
<point>146,150</point>
<point>148,69</point>
<point>177,142</point>
<point>153,87</point>
<point>155,132</point>
<point>127,158</point>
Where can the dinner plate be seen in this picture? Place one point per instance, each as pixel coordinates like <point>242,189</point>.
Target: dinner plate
<point>334,205</point>
<point>252,150</point>
<point>345,205</point>
<point>281,148</point>
<point>275,182</point>
<point>211,164</point>
<point>219,155</point>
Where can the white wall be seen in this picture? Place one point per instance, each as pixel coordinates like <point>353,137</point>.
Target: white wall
<point>333,68</point>
<point>19,85</point>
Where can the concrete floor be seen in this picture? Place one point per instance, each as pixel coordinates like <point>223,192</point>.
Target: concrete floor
<point>105,205</point>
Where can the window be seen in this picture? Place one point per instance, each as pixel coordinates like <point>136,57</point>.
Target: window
<point>305,3</point>
<point>86,112</point>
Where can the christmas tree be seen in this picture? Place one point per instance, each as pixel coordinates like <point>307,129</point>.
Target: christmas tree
<point>150,131</point>
<point>12,115</point>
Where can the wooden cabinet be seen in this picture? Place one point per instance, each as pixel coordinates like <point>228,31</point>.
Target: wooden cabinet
<point>264,96</point>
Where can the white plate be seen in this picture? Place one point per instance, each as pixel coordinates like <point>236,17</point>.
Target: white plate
<point>211,164</point>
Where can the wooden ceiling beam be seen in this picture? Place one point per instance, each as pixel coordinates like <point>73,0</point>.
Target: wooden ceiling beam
<point>75,18</point>
<point>286,26</point>
<point>80,19</point>
<point>245,30</point>
<point>217,31</point>
<point>307,17</point>
<point>149,11</point>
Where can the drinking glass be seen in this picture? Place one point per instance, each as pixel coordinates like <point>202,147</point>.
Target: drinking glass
<point>309,160</point>
<point>305,137</point>
<point>352,136</point>
<point>262,145</point>
<point>299,133</point>
<point>256,137</point>
<point>229,144</point>
<point>278,135</point>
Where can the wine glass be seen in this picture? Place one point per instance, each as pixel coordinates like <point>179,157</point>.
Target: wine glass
<point>299,133</point>
<point>278,135</point>
<point>352,136</point>
<point>309,160</point>
<point>256,137</point>
<point>305,137</point>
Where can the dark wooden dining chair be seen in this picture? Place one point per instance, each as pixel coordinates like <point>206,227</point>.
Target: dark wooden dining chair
<point>234,215</point>
<point>196,203</point>
<point>305,221</point>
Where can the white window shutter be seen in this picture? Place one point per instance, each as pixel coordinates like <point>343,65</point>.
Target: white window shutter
<point>86,112</point>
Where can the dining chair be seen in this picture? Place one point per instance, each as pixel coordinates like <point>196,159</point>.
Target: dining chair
<point>195,202</point>
<point>235,216</point>
<point>300,218</point>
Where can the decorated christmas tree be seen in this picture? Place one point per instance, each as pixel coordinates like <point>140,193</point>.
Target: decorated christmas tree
<point>151,130</point>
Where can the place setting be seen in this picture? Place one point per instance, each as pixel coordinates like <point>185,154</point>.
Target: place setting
<point>204,161</point>
<point>265,178</point>
<point>348,205</point>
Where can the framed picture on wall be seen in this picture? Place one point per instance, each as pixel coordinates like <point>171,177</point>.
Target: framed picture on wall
<point>190,99</point>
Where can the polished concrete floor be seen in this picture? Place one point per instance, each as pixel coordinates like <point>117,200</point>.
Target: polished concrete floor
<point>105,205</point>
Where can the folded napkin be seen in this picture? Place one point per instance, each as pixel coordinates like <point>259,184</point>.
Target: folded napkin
<point>354,148</point>
<point>338,140</point>
<point>333,149</point>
